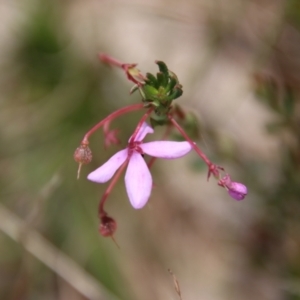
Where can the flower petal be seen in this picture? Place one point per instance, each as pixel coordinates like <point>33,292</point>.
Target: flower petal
<point>138,181</point>
<point>166,149</point>
<point>144,130</point>
<point>108,169</point>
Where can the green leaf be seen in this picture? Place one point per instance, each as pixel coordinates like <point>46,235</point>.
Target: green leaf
<point>149,92</point>
<point>177,92</point>
<point>160,79</point>
<point>163,68</point>
<point>171,84</point>
<point>151,80</point>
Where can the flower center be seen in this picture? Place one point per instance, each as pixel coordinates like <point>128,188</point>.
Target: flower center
<point>134,147</point>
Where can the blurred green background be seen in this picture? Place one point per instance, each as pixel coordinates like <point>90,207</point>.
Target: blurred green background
<point>239,65</point>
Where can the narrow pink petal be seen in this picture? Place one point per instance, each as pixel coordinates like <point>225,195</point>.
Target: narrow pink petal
<point>166,149</point>
<point>144,130</point>
<point>107,170</point>
<point>138,181</point>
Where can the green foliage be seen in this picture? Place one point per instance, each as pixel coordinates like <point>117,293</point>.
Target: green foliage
<point>160,91</point>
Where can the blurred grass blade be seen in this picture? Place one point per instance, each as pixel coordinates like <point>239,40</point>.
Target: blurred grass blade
<point>52,257</point>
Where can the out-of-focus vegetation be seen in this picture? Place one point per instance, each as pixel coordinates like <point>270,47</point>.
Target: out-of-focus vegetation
<point>53,89</point>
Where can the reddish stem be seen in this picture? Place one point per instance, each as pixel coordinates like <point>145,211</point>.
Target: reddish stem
<point>110,60</point>
<point>140,123</point>
<point>111,117</point>
<point>212,168</point>
<point>101,210</point>
<point>194,145</point>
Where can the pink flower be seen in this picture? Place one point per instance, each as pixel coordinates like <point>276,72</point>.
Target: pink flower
<point>236,190</point>
<point>138,180</point>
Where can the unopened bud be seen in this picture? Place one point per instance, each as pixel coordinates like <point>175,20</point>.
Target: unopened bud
<point>236,190</point>
<point>107,226</point>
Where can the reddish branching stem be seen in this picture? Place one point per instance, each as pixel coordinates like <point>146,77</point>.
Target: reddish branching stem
<point>112,116</point>
<point>183,133</point>
<point>212,168</point>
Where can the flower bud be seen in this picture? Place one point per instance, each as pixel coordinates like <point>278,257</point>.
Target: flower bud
<point>236,190</point>
<point>107,226</point>
<point>83,154</point>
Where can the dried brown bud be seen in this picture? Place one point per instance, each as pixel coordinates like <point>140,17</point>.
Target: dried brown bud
<point>107,226</point>
<point>83,154</point>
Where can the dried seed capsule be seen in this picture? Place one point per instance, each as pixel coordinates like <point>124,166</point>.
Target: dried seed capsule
<point>83,154</point>
<point>107,226</point>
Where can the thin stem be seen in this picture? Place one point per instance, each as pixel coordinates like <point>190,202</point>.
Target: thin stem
<point>212,168</point>
<point>79,170</point>
<point>115,242</point>
<point>111,117</point>
<point>194,145</point>
<point>110,187</point>
<point>135,77</point>
<point>140,123</point>
<point>110,60</point>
